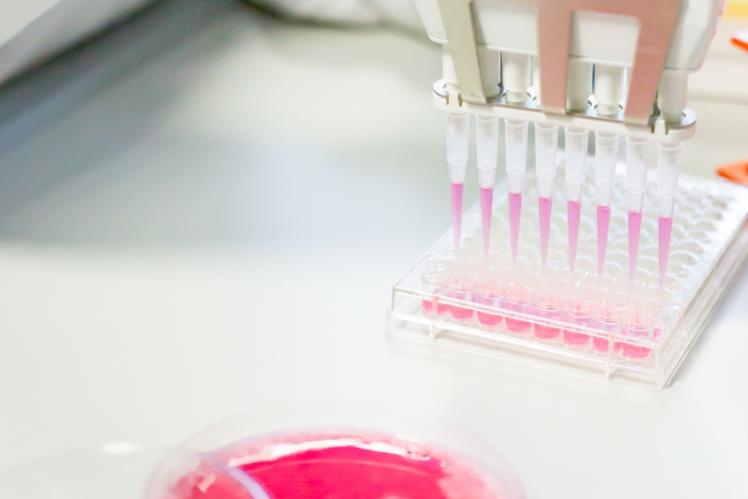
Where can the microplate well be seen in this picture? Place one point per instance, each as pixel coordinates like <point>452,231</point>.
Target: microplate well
<point>632,332</point>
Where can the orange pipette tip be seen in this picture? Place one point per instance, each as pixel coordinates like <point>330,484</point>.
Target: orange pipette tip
<point>740,39</point>
<point>736,172</point>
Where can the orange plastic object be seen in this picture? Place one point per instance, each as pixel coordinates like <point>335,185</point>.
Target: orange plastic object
<point>740,39</point>
<point>736,172</point>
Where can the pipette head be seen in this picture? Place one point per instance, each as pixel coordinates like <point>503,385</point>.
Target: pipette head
<point>671,98</point>
<point>517,76</point>
<point>608,88</point>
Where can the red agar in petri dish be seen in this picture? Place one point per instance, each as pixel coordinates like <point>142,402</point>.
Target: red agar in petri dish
<point>327,466</point>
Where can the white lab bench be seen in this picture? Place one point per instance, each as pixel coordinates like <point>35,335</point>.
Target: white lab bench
<point>203,213</point>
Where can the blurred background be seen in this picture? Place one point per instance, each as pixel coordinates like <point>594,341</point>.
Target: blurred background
<point>204,205</point>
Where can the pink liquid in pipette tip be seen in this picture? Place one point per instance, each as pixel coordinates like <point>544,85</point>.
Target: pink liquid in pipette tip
<point>515,209</point>
<point>603,222</point>
<point>573,212</point>
<point>544,219</point>
<point>665,229</point>
<point>486,210</point>
<point>457,190</point>
<point>635,226</point>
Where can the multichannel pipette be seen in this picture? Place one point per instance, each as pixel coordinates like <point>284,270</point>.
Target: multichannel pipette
<point>655,49</point>
<point>615,71</point>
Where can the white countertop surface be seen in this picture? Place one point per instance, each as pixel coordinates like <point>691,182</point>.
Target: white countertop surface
<point>203,213</point>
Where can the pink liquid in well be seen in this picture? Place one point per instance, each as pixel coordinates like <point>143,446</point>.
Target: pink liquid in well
<point>457,191</point>
<point>515,210</point>
<point>603,223</point>
<point>487,318</point>
<point>544,220</point>
<point>575,339</point>
<point>573,213</point>
<point>516,325</point>
<point>635,228</point>
<point>329,466</point>
<point>633,350</point>
<point>602,343</point>
<point>636,352</point>
<point>665,229</point>
<point>460,313</point>
<point>546,332</point>
<point>578,315</point>
<point>486,210</point>
<point>430,305</point>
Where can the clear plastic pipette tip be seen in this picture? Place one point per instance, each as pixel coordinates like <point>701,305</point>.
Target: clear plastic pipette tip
<point>573,214</point>
<point>515,211</point>
<point>486,211</point>
<point>516,164</point>
<point>664,228</point>
<point>546,143</point>
<point>457,156</point>
<point>668,156</point>
<point>575,155</point>
<point>635,227</point>
<point>457,189</point>
<point>606,155</point>
<point>486,152</point>
<point>635,184</point>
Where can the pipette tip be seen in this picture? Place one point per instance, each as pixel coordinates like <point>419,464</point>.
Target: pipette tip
<point>544,219</point>
<point>457,191</point>
<point>486,211</point>
<point>635,225</point>
<point>603,223</point>
<point>573,214</point>
<point>515,210</point>
<point>665,228</point>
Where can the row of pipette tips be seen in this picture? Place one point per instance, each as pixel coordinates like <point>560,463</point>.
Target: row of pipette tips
<point>546,144</point>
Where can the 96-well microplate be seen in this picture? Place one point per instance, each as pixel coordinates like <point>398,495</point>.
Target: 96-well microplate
<point>634,332</point>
